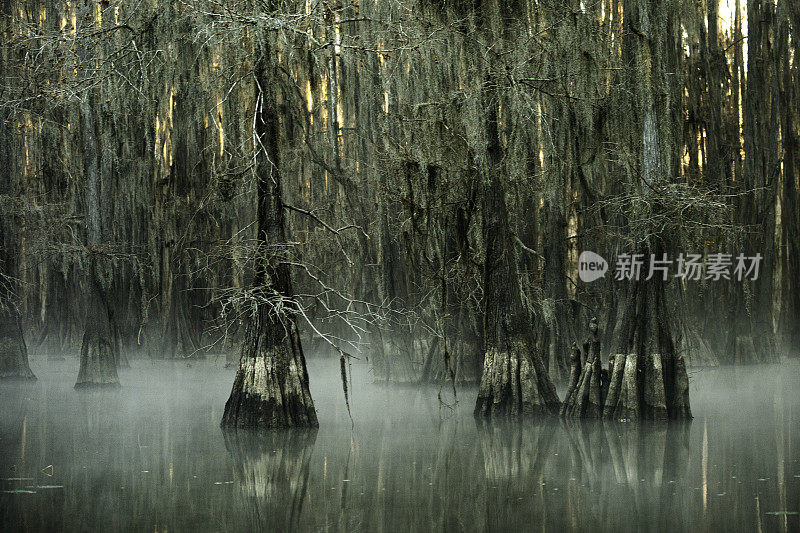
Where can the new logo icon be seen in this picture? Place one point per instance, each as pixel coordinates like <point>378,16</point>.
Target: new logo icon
<point>591,266</point>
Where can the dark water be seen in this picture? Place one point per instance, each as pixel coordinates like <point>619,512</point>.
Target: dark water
<point>152,457</point>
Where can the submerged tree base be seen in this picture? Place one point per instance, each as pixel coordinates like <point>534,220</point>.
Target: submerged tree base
<point>585,396</point>
<point>632,388</point>
<point>98,365</point>
<point>512,386</point>
<point>271,386</point>
<point>13,354</point>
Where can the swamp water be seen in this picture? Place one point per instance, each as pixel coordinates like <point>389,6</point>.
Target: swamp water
<point>151,457</point>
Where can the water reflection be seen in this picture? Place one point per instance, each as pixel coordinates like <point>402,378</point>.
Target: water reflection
<point>151,457</point>
<point>585,475</point>
<point>272,469</point>
<point>627,467</point>
<point>511,450</point>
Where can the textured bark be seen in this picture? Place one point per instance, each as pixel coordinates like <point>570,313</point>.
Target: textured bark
<point>617,364</point>
<point>652,374</point>
<point>513,386</point>
<point>574,378</point>
<point>585,400</point>
<point>627,405</point>
<point>99,350</point>
<point>654,383</point>
<point>271,385</point>
<point>514,381</point>
<point>100,346</point>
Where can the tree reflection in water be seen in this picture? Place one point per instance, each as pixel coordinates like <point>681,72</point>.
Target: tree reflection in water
<point>271,468</point>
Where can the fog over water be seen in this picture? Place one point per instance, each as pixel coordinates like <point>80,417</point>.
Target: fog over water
<point>151,456</point>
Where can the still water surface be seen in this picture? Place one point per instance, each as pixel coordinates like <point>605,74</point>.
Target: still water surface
<point>151,457</point>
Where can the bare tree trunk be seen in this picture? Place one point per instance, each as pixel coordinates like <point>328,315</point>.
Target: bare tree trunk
<point>13,351</point>
<point>654,383</point>
<point>271,385</point>
<point>99,349</point>
<point>514,382</point>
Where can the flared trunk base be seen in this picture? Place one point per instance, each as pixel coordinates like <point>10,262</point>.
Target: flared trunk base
<point>14,357</point>
<point>270,390</point>
<point>98,364</point>
<point>513,387</point>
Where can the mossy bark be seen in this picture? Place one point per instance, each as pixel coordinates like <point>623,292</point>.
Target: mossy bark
<point>514,382</point>
<point>271,385</point>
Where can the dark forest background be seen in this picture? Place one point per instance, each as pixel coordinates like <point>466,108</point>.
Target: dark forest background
<point>409,131</point>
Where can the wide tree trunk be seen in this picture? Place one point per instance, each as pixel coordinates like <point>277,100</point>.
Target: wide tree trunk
<point>654,382</point>
<point>271,385</point>
<point>514,381</point>
<point>100,346</point>
<point>647,380</point>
